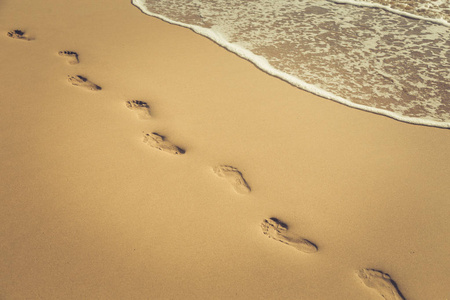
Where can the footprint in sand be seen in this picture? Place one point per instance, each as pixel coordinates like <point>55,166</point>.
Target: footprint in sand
<point>234,177</point>
<point>83,82</point>
<point>278,231</point>
<point>72,57</point>
<point>381,282</point>
<point>159,142</point>
<point>18,34</point>
<point>140,107</point>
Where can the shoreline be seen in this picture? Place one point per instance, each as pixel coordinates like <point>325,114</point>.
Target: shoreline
<point>91,210</point>
<point>262,64</point>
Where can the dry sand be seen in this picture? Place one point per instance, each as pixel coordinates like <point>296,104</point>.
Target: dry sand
<point>88,211</point>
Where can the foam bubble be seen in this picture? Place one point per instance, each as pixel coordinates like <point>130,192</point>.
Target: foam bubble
<point>421,7</point>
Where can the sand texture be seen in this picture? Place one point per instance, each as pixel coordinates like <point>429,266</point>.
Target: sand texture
<point>91,209</point>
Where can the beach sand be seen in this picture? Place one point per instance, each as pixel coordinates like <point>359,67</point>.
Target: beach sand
<point>89,211</point>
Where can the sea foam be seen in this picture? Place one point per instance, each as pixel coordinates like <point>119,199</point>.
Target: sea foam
<point>364,57</point>
<point>414,12</point>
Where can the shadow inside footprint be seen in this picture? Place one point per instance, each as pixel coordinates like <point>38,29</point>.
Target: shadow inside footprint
<point>159,142</point>
<point>18,34</point>
<point>141,108</point>
<point>234,177</point>
<point>83,82</point>
<point>381,282</point>
<point>277,230</point>
<point>72,57</point>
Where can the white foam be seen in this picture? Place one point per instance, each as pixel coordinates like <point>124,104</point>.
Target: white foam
<point>440,21</point>
<point>264,65</point>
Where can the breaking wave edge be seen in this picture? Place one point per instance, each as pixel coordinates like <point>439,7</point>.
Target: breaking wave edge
<point>261,63</point>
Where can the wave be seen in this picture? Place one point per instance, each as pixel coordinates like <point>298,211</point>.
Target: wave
<point>246,50</point>
<point>440,21</point>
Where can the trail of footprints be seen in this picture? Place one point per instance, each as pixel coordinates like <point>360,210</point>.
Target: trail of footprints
<point>272,227</point>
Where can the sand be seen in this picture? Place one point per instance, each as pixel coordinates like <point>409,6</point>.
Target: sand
<point>89,211</point>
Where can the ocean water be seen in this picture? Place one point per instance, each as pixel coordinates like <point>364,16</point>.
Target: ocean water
<point>390,57</point>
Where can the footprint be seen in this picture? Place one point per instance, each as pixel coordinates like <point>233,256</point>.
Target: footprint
<point>72,56</point>
<point>381,282</point>
<point>18,34</point>
<point>159,142</point>
<point>278,231</point>
<point>140,107</point>
<point>83,82</point>
<point>234,177</point>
